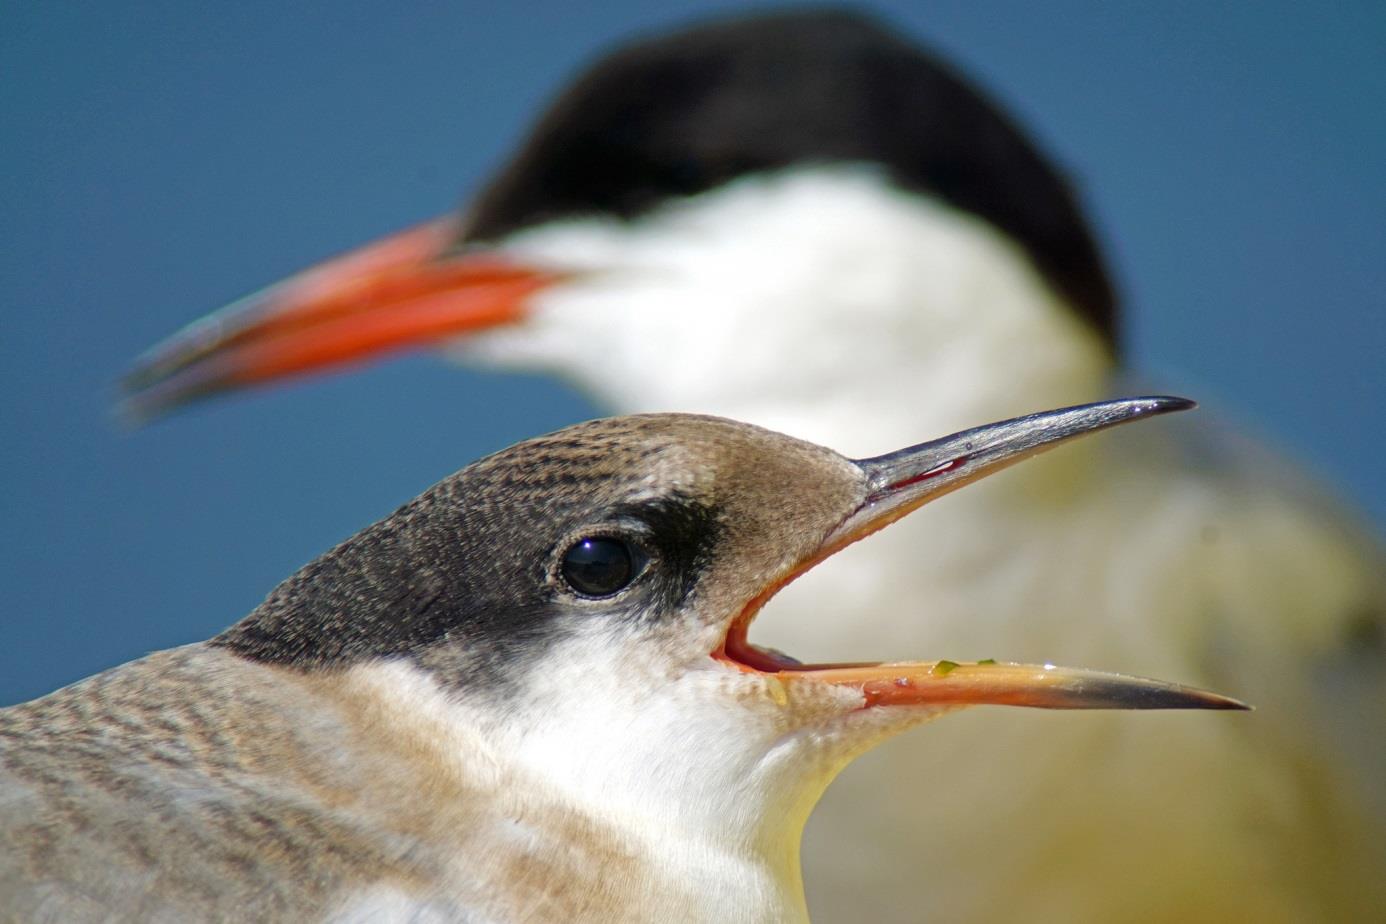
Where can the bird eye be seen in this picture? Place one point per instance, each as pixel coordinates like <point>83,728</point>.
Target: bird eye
<point>598,566</point>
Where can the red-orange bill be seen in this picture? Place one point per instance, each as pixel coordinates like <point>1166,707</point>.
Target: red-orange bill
<point>406,291</point>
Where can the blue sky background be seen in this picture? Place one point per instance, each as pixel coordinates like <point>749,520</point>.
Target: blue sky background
<point>161,159</point>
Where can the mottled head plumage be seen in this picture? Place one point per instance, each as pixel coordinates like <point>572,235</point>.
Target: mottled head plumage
<point>465,577</point>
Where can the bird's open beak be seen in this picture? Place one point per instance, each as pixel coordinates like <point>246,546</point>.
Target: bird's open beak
<point>903,481</point>
<point>408,290</point>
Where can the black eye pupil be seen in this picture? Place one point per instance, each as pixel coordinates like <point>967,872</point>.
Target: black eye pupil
<point>598,567</point>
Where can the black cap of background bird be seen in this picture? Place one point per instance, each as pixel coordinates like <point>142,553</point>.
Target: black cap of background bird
<point>651,123</point>
<point>687,112</point>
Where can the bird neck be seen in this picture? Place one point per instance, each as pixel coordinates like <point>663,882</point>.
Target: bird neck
<point>705,794</point>
<point>684,775</point>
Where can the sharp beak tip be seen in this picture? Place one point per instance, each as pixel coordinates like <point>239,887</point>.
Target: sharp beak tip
<point>1228,703</point>
<point>1180,697</point>
<point>1162,404</point>
<point>143,399</point>
<point>132,411</point>
<point>1100,690</point>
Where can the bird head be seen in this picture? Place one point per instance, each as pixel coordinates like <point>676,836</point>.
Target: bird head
<point>801,184</point>
<point>583,600</point>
